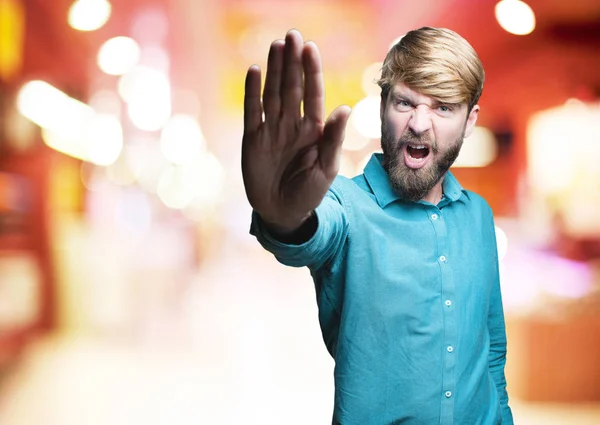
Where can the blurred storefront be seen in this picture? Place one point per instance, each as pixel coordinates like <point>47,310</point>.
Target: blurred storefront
<point>122,210</point>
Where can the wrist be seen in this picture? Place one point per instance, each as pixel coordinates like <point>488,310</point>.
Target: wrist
<point>294,231</point>
<point>285,225</point>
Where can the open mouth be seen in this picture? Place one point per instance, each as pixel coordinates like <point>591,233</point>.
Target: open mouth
<point>416,155</point>
<point>417,151</point>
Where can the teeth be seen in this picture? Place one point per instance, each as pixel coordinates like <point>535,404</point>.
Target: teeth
<point>418,146</point>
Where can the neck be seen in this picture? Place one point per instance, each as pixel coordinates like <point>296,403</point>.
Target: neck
<point>434,196</point>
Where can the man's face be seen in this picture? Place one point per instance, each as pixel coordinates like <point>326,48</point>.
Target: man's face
<point>421,138</point>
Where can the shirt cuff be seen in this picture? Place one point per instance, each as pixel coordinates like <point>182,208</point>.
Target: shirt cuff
<point>309,253</point>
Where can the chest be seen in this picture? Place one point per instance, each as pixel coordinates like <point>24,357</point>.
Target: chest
<point>410,262</point>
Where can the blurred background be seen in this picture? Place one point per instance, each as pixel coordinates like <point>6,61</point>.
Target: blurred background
<point>130,289</point>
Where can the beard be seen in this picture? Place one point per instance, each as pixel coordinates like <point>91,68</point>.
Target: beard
<point>415,184</point>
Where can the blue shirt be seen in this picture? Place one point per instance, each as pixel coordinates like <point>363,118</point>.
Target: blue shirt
<point>409,303</point>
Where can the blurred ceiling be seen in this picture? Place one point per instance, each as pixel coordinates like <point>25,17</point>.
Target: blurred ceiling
<point>49,36</point>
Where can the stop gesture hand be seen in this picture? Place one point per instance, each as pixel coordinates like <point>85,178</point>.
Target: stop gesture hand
<point>289,159</point>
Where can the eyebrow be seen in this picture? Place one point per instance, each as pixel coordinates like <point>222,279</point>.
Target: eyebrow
<point>405,96</point>
<point>436,102</point>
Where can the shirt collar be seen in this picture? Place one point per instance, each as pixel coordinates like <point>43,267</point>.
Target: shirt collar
<point>379,182</point>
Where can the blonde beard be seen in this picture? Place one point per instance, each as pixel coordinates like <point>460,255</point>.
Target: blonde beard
<point>414,184</point>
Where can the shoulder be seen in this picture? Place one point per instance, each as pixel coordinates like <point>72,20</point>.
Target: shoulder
<point>476,201</point>
<point>344,189</point>
<point>480,210</point>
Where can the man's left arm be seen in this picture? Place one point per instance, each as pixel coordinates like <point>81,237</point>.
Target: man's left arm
<point>497,330</point>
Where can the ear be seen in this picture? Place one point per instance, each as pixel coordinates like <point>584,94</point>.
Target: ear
<point>471,120</point>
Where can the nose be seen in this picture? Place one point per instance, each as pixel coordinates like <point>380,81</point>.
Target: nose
<point>420,122</point>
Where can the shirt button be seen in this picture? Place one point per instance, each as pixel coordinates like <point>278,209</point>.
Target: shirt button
<point>443,258</point>
<point>448,394</point>
<point>450,348</point>
<point>448,303</point>
<point>434,216</point>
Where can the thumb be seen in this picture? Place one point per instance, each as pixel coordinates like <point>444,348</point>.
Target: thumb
<point>333,136</point>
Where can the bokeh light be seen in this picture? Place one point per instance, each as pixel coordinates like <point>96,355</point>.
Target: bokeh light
<point>515,16</point>
<point>182,139</point>
<point>89,15</point>
<point>49,107</point>
<point>104,138</point>
<point>480,149</point>
<point>118,55</point>
<point>365,117</point>
<point>354,140</point>
<point>148,95</point>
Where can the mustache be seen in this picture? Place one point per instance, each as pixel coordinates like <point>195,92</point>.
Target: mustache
<point>410,137</point>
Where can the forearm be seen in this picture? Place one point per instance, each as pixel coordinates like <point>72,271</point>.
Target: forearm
<point>319,240</point>
<point>497,332</point>
<point>497,355</point>
<point>497,362</point>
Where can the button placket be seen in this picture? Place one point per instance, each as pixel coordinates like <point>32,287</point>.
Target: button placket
<point>447,305</point>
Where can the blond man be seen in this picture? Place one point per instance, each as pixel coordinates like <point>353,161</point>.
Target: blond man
<point>403,259</point>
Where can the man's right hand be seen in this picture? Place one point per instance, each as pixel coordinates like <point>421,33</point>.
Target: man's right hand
<point>289,160</point>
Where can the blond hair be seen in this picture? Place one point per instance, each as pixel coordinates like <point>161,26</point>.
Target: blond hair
<point>436,62</point>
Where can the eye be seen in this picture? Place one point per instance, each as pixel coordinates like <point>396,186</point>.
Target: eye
<point>445,108</point>
<point>403,104</point>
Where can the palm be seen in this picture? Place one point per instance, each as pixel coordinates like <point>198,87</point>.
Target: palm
<point>289,160</point>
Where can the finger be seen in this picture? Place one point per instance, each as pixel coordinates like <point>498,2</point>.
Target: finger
<point>314,90</point>
<point>272,93</point>
<point>333,136</point>
<point>252,106</point>
<point>292,86</point>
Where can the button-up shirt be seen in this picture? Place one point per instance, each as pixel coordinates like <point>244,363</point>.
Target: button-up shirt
<point>409,303</point>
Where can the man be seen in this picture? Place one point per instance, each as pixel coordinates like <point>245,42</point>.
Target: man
<point>404,260</point>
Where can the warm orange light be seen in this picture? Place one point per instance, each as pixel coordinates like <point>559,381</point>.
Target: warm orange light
<point>12,24</point>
